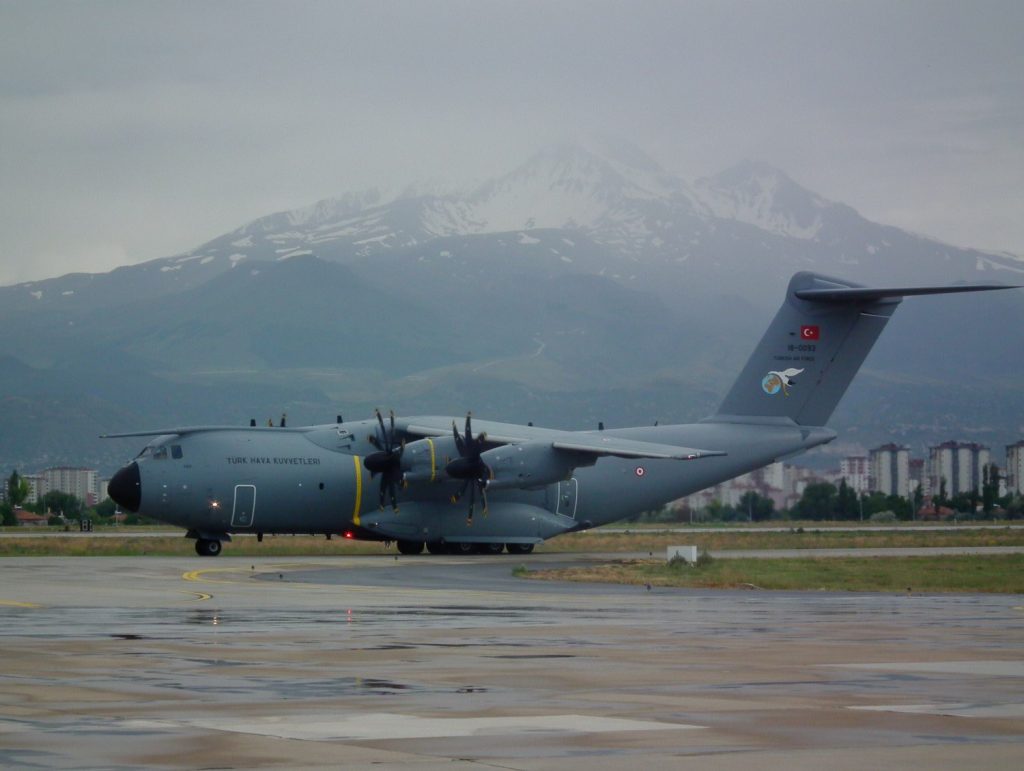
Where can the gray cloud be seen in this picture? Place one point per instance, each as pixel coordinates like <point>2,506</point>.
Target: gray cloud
<point>135,130</point>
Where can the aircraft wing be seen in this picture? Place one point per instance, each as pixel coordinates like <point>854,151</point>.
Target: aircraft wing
<point>628,448</point>
<point>181,431</point>
<point>586,442</point>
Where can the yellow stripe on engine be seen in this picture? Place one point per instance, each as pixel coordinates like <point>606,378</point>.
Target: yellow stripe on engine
<point>433,462</point>
<point>359,490</point>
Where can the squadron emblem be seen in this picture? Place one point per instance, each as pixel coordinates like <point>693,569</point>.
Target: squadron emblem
<point>775,381</point>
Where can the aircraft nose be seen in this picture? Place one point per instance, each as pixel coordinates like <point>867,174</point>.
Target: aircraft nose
<point>125,488</point>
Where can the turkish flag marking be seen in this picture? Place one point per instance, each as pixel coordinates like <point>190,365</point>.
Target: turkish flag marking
<point>810,333</point>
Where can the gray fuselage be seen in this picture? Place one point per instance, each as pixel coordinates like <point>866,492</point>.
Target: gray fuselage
<point>312,480</point>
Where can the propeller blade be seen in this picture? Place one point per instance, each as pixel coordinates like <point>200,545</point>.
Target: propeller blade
<point>394,495</point>
<point>459,444</point>
<point>469,466</point>
<point>388,461</point>
<point>383,432</point>
<point>456,497</point>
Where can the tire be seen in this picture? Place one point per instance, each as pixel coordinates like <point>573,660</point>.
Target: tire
<point>436,547</point>
<point>410,547</point>
<point>207,548</point>
<point>492,548</point>
<point>461,548</point>
<point>519,548</point>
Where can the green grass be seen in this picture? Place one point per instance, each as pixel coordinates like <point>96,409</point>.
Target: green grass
<point>598,541</point>
<point>960,573</point>
<point>594,541</point>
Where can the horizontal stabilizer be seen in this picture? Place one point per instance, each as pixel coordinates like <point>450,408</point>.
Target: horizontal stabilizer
<point>870,294</point>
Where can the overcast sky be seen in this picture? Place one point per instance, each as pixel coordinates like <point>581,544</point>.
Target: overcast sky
<point>135,130</point>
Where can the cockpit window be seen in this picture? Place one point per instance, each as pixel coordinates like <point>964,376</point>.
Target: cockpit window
<point>159,453</point>
<point>176,451</point>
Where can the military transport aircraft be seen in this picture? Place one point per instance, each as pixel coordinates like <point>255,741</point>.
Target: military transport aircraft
<point>450,489</point>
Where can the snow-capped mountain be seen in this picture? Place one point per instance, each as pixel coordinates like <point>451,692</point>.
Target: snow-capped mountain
<point>614,210</point>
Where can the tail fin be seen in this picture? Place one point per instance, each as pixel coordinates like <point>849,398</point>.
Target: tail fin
<point>815,345</point>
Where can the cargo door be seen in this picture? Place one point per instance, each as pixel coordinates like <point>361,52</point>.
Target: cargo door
<point>567,494</point>
<point>244,511</point>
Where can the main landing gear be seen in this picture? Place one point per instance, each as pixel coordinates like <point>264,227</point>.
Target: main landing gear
<point>410,547</point>
<point>206,547</point>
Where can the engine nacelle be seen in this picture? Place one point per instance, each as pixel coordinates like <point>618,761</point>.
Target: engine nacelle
<point>531,464</point>
<point>424,460</point>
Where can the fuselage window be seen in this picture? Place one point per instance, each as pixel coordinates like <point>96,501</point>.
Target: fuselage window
<point>176,451</point>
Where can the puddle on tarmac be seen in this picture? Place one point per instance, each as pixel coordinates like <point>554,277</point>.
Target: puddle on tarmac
<point>298,688</point>
<point>533,656</point>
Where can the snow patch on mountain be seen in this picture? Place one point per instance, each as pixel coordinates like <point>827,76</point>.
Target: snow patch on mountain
<point>332,209</point>
<point>986,263</point>
<point>763,196</point>
<point>569,186</point>
<point>290,253</point>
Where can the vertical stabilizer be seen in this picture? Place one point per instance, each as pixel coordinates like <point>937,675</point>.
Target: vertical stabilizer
<point>815,345</point>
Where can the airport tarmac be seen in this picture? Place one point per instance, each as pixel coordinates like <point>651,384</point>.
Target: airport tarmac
<point>431,662</point>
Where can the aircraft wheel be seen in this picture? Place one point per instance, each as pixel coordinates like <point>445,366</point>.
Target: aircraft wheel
<point>519,548</point>
<point>460,548</point>
<point>436,547</point>
<point>492,548</point>
<point>410,547</point>
<point>207,548</point>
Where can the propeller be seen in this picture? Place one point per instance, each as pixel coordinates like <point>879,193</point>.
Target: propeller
<point>387,461</point>
<point>469,467</point>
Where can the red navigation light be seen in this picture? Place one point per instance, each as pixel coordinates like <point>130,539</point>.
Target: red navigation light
<point>349,534</point>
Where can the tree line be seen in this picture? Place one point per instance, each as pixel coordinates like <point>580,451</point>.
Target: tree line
<point>827,501</point>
